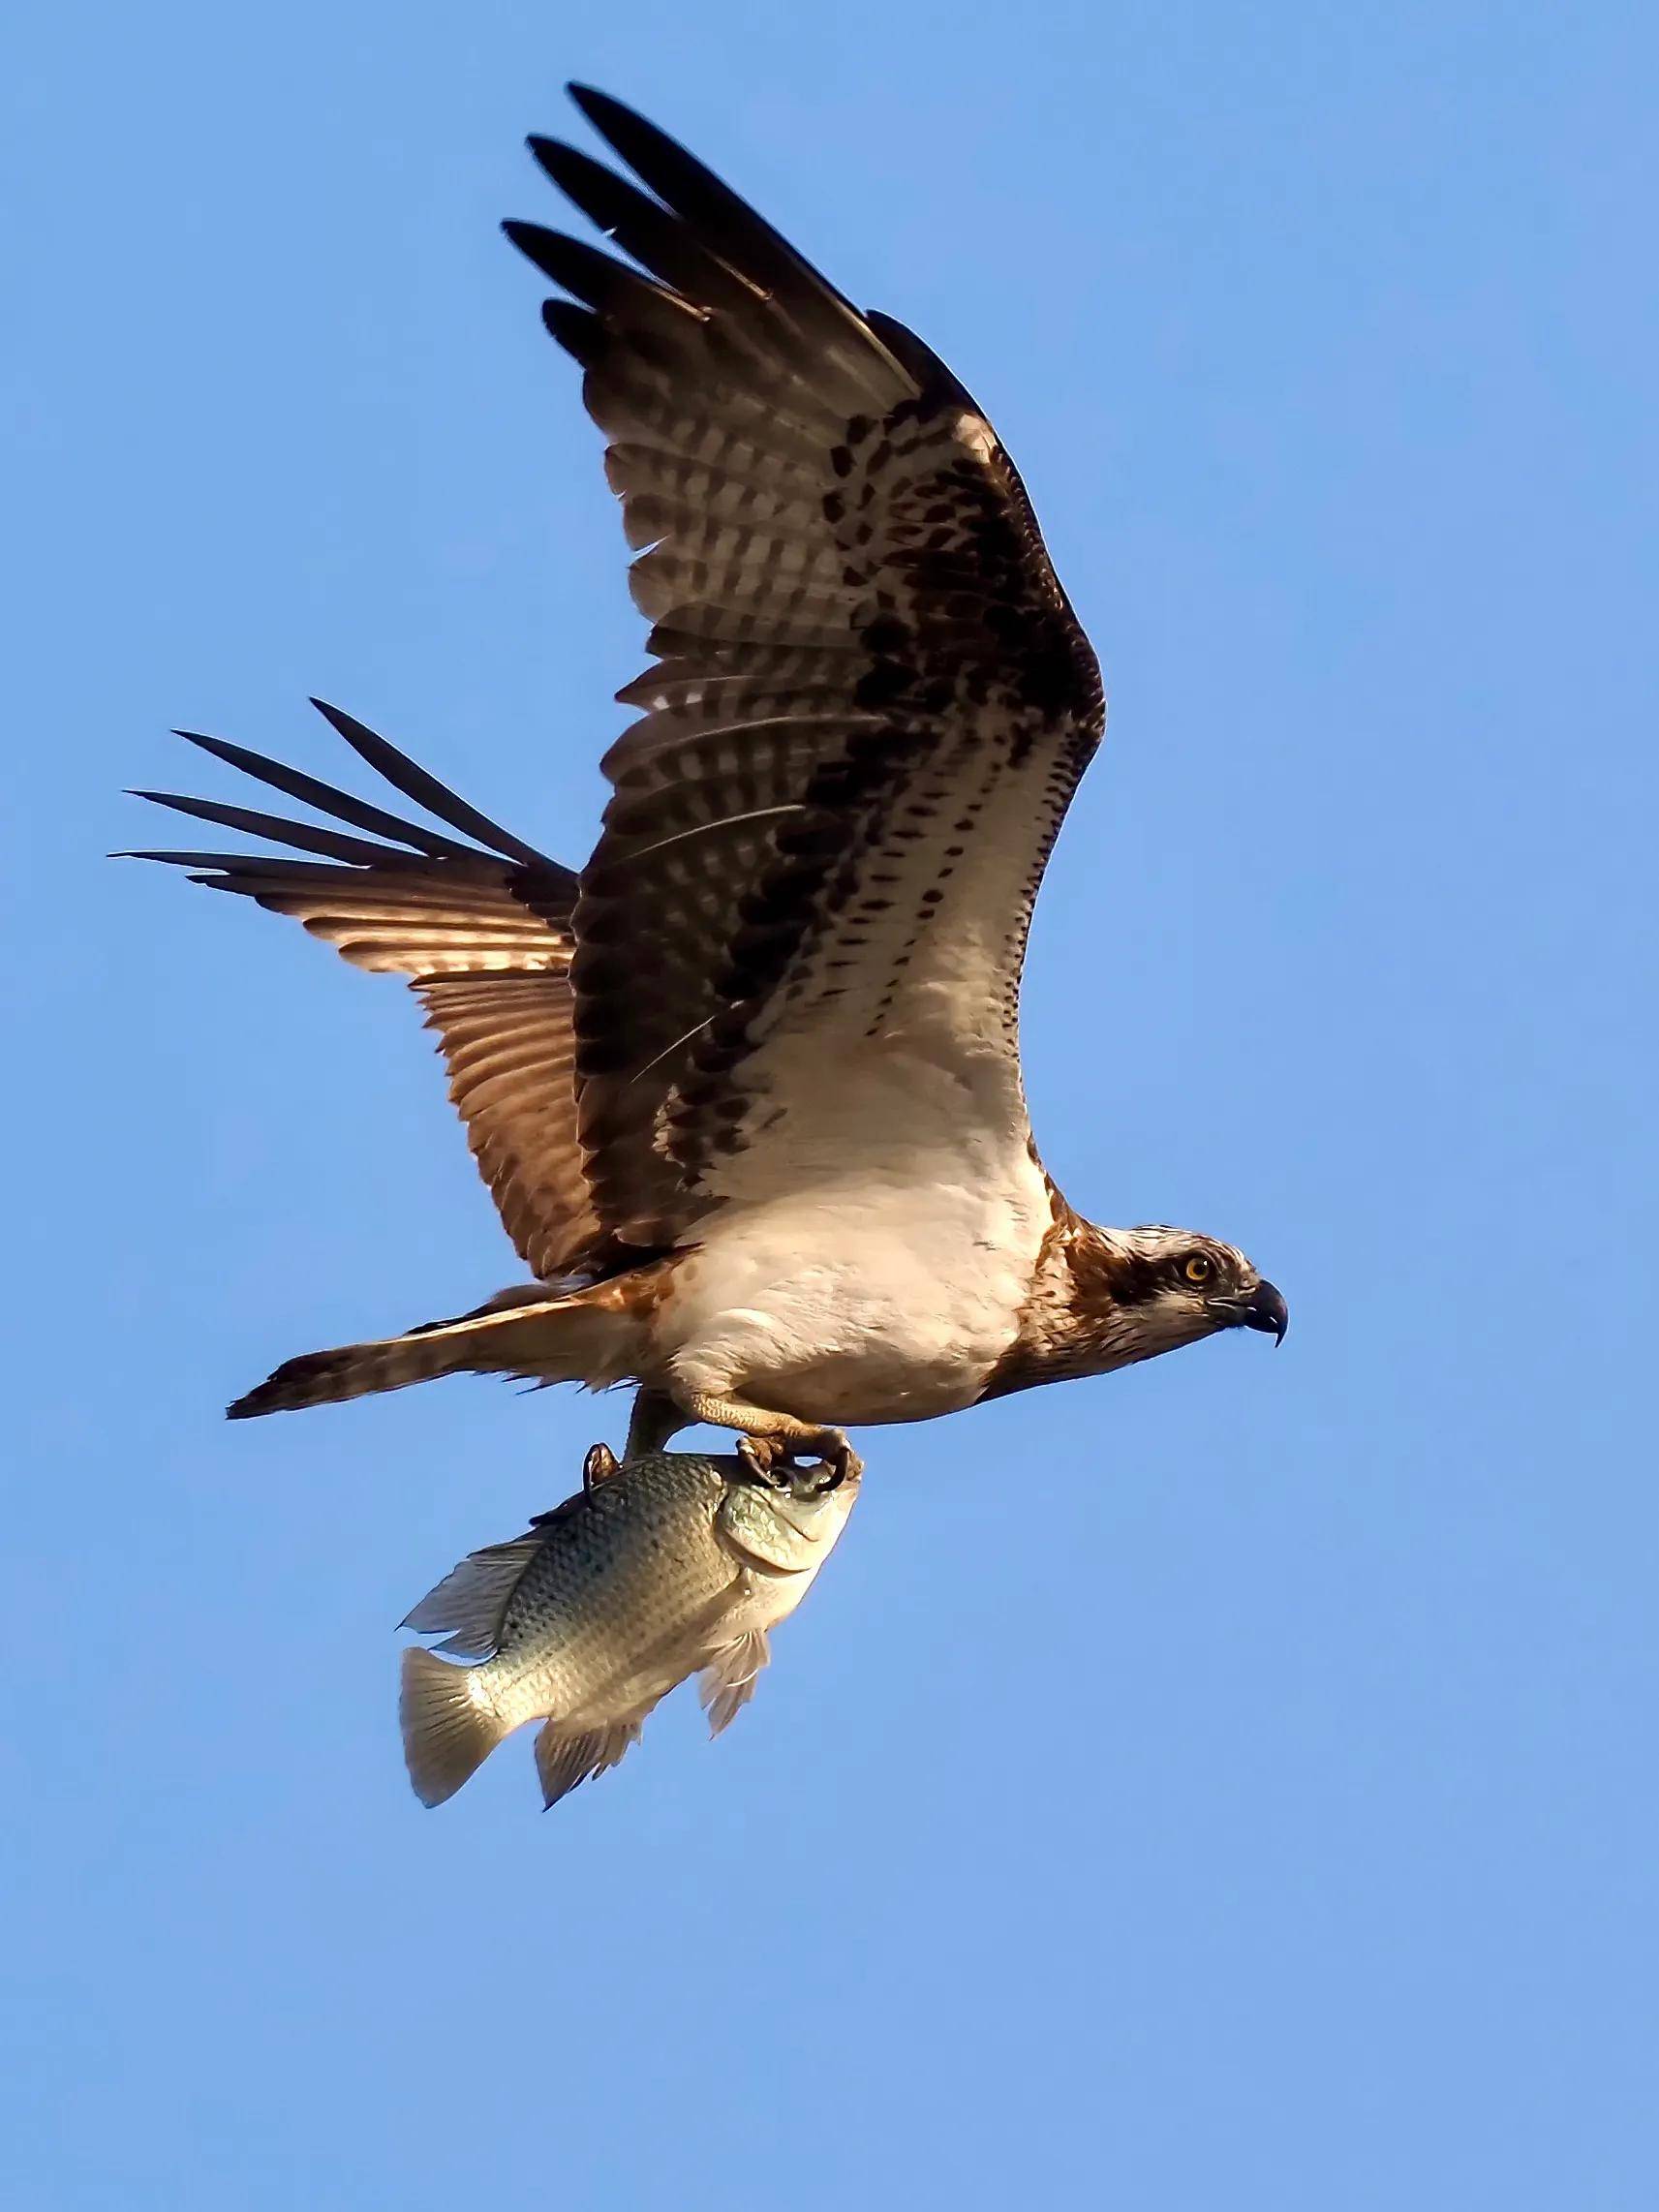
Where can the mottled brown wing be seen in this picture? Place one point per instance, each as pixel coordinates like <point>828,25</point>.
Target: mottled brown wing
<point>871,699</point>
<point>484,938</point>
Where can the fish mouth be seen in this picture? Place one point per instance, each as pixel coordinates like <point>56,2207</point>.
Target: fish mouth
<point>1262,1307</point>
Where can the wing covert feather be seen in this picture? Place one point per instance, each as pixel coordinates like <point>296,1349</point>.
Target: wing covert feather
<point>871,699</point>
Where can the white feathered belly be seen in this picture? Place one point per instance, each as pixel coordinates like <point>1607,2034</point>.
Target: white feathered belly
<point>875,1299</point>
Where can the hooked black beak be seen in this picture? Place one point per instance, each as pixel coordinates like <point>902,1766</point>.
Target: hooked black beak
<point>1260,1309</point>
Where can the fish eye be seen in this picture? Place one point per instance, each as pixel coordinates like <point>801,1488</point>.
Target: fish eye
<point>1198,1267</point>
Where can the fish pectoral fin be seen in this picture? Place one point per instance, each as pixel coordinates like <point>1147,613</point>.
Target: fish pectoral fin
<point>565,1757</point>
<point>727,1682</point>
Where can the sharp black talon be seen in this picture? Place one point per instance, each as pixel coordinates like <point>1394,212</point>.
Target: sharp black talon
<point>598,1466</point>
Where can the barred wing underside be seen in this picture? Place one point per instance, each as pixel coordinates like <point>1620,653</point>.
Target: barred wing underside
<point>481,931</point>
<point>871,706</point>
<point>794,957</point>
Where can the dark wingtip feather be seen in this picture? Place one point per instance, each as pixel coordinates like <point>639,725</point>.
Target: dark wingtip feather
<point>345,726</point>
<point>596,191</point>
<point>661,160</point>
<point>551,155</point>
<point>280,829</point>
<point>218,860</point>
<point>527,237</point>
<point>221,748</point>
<point>424,788</point>
<point>598,280</point>
<point>647,230</point>
<point>576,328</point>
<point>720,220</point>
<point>616,121</point>
<point>914,354</point>
<point>311,791</point>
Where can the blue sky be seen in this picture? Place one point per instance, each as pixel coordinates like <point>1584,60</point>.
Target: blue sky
<point>1229,1783</point>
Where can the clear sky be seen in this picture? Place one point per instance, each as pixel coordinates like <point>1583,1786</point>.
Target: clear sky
<point>1229,1784</point>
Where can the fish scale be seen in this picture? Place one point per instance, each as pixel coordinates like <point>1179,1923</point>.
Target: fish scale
<point>673,1564</point>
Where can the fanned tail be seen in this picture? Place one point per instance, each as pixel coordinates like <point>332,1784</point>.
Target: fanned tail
<point>584,1336</point>
<point>352,1371</point>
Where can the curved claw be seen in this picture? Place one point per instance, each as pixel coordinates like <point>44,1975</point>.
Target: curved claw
<point>762,1455</point>
<point>838,1454</point>
<point>769,1457</point>
<point>775,1459</point>
<point>599,1466</point>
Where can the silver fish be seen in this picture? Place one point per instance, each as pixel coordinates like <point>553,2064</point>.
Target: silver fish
<point>668,1565</point>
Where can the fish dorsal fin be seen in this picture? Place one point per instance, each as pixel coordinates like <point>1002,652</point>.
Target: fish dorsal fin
<point>562,1760</point>
<point>727,1682</point>
<point>468,1607</point>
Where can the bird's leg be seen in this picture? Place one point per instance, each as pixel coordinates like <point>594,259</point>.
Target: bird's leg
<point>765,1439</point>
<point>654,1420</point>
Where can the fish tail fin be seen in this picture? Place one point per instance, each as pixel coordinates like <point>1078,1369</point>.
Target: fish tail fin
<point>448,1733</point>
<point>563,1758</point>
<point>533,1336</point>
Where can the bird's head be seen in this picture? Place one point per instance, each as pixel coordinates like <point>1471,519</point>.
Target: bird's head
<point>1148,1290</point>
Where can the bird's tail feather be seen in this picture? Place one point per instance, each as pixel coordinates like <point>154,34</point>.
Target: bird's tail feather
<point>553,1339</point>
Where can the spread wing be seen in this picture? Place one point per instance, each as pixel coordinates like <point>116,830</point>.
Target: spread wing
<point>870,706</point>
<point>481,930</point>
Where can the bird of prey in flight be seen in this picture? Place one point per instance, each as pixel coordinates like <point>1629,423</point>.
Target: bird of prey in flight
<point>747,1088</point>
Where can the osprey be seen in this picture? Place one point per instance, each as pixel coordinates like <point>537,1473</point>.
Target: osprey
<point>746,1090</point>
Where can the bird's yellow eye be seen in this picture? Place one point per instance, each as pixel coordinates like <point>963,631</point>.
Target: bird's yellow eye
<point>1198,1267</point>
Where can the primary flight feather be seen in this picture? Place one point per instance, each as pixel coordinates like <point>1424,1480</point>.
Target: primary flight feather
<point>746,1090</point>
